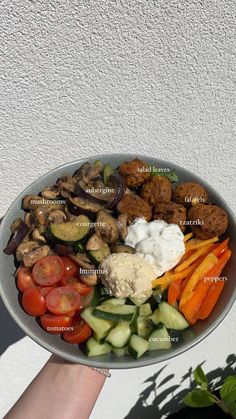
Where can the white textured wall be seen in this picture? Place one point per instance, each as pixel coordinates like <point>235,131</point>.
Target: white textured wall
<point>81,77</point>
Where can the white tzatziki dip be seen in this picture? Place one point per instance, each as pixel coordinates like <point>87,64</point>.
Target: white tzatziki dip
<point>158,242</point>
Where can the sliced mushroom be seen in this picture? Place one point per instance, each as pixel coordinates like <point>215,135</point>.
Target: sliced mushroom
<point>57,217</point>
<point>122,225</point>
<point>94,242</point>
<point>82,260</point>
<point>29,259</point>
<point>26,238</point>
<point>28,219</point>
<point>69,216</point>
<point>31,202</point>
<point>88,278</point>
<point>37,236</point>
<point>106,227</point>
<point>25,248</point>
<point>42,212</point>
<point>122,248</point>
<point>15,225</point>
<point>50,193</point>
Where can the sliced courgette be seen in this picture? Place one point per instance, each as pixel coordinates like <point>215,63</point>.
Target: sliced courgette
<point>115,313</point>
<point>137,346</point>
<point>159,339</point>
<point>78,248</point>
<point>94,348</point>
<point>107,170</point>
<point>171,317</point>
<point>96,256</point>
<point>119,336</point>
<point>101,327</point>
<point>71,231</point>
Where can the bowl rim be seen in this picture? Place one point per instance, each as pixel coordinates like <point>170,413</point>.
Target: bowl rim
<point>92,362</point>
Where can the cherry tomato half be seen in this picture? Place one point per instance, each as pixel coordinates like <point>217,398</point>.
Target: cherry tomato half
<point>24,279</point>
<point>63,300</point>
<point>33,302</point>
<point>79,286</point>
<point>81,331</point>
<point>71,268</point>
<point>46,290</point>
<point>55,324</point>
<point>48,270</point>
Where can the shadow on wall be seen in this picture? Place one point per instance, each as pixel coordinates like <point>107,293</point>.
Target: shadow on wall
<point>145,410</point>
<point>10,332</point>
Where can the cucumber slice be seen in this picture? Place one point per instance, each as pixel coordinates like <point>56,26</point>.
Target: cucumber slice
<point>155,318</point>
<point>133,323</point>
<point>157,295</point>
<point>143,327</point>
<point>118,351</point>
<point>71,231</point>
<point>101,327</point>
<point>119,336</point>
<point>94,348</point>
<point>159,339</point>
<point>107,170</point>
<point>114,301</point>
<point>139,301</point>
<point>91,299</point>
<point>104,291</point>
<point>115,313</point>
<point>137,346</point>
<point>145,310</point>
<point>171,317</point>
<point>97,256</point>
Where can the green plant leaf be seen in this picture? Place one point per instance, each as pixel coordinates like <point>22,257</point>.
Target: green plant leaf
<point>199,398</point>
<point>228,391</point>
<point>172,176</point>
<point>200,377</point>
<point>230,378</point>
<point>231,408</point>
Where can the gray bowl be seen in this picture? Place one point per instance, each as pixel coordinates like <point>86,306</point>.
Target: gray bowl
<point>55,344</point>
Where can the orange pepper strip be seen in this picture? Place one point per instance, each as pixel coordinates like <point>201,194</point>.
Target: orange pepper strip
<point>187,237</point>
<point>174,291</point>
<point>183,285</point>
<point>163,280</point>
<point>185,256</point>
<point>193,305</point>
<point>221,247</point>
<point>214,291</point>
<point>199,252</point>
<point>177,286</point>
<point>208,262</point>
<point>196,244</point>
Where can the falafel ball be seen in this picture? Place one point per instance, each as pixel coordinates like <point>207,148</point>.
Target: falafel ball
<point>156,189</point>
<point>190,193</point>
<point>135,207</point>
<point>210,220</point>
<point>136,172</point>
<point>171,212</point>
